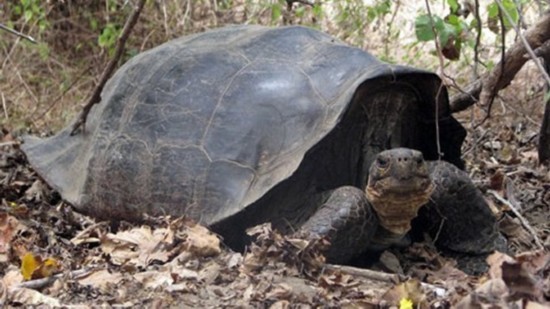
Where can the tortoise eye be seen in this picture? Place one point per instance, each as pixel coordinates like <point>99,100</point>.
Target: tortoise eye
<point>382,162</point>
<point>419,160</point>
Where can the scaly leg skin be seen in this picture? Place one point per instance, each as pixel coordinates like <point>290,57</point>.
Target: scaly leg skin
<point>460,220</point>
<point>347,220</point>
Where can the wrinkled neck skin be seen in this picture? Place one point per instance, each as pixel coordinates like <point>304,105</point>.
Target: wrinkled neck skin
<point>395,213</point>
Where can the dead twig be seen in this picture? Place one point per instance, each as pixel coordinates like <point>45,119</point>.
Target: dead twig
<point>5,106</point>
<point>380,276</point>
<point>489,90</point>
<point>96,95</point>
<point>9,143</point>
<point>304,2</point>
<point>19,34</point>
<point>43,282</point>
<point>478,38</point>
<point>367,273</point>
<point>442,68</point>
<point>523,221</point>
<point>76,240</point>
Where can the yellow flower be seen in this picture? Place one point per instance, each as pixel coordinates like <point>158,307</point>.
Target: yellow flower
<point>406,303</point>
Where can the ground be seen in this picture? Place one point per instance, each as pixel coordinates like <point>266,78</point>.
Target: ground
<point>50,254</point>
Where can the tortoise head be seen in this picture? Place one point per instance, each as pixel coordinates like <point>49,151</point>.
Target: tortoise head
<point>399,184</point>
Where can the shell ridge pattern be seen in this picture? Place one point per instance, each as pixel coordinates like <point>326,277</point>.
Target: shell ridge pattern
<point>317,92</point>
<point>126,117</point>
<point>220,99</point>
<point>198,147</point>
<point>129,112</point>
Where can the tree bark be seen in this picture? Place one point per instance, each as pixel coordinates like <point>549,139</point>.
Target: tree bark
<point>514,60</point>
<point>544,136</point>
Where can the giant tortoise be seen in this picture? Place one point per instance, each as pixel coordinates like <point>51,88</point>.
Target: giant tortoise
<point>249,124</point>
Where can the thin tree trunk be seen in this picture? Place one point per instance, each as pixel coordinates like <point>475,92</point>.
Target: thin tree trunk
<point>515,58</point>
<point>544,136</point>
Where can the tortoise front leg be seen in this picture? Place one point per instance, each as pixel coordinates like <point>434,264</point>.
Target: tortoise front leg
<point>348,222</point>
<point>458,214</point>
<point>459,219</point>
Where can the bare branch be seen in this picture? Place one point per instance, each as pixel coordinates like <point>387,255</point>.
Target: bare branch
<point>523,221</point>
<point>515,58</point>
<point>19,34</point>
<point>96,95</point>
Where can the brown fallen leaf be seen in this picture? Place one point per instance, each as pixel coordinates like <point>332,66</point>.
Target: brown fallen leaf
<point>139,246</point>
<point>32,298</point>
<point>496,181</point>
<point>534,261</point>
<point>491,294</point>
<point>200,241</point>
<point>12,277</point>
<point>410,290</point>
<point>391,263</point>
<point>9,226</point>
<point>520,282</point>
<point>281,304</point>
<point>154,279</point>
<point>495,261</point>
<point>281,291</point>
<point>524,276</point>
<point>101,279</point>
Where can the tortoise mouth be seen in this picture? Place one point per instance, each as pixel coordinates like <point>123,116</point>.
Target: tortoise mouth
<point>395,188</point>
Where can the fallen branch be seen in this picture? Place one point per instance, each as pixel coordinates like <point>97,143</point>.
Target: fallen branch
<point>43,282</point>
<point>367,273</point>
<point>381,276</point>
<point>8,143</point>
<point>96,95</point>
<point>19,34</point>
<point>523,221</point>
<point>544,133</point>
<point>535,37</point>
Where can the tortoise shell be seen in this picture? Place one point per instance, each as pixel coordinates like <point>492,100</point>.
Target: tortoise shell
<point>243,117</point>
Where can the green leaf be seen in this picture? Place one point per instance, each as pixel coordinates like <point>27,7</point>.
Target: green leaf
<point>108,36</point>
<point>509,7</point>
<point>43,25</point>
<point>383,8</point>
<point>445,32</point>
<point>28,15</point>
<point>17,10</point>
<point>300,11</point>
<point>512,10</point>
<point>453,20</point>
<point>423,28</point>
<point>317,10</point>
<point>276,11</point>
<point>93,24</point>
<point>43,51</point>
<point>453,4</point>
<point>492,10</point>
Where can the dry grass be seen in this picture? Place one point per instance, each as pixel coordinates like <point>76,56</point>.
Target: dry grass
<point>43,86</point>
